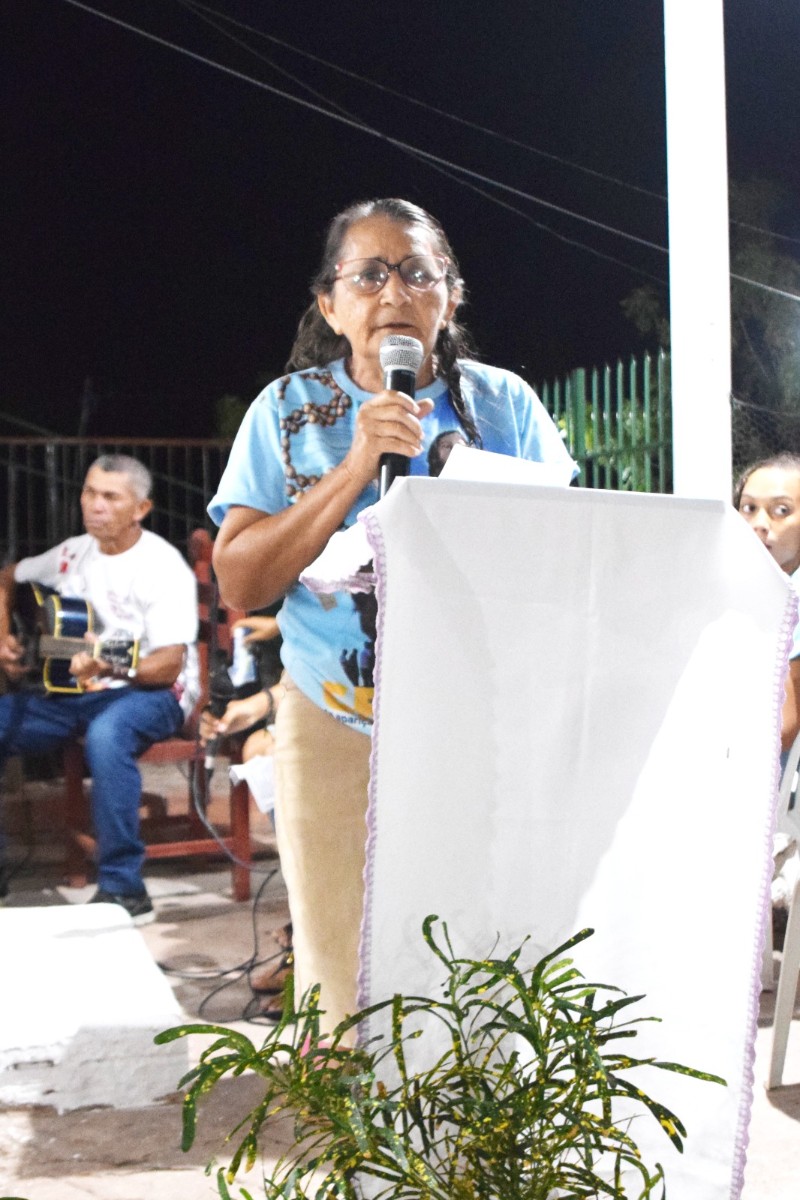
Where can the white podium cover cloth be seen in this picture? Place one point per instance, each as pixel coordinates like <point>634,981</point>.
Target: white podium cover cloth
<point>577,713</point>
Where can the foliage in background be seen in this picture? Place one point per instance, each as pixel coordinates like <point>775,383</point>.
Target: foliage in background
<point>230,408</point>
<point>617,423</point>
<point>523,1101</point>
<point>228,413</point>
<point>645,309</point>
<point>765,326</point>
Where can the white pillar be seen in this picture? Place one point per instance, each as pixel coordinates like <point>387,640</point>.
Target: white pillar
<point>699,262</point>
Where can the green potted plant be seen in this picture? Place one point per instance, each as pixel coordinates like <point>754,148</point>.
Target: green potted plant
<point>523,1102</point>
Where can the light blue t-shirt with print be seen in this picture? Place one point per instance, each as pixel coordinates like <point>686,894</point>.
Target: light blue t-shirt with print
<point>301,426</point>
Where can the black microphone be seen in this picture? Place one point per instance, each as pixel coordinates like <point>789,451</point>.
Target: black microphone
<point>220,692</point>
<point>401,358</point>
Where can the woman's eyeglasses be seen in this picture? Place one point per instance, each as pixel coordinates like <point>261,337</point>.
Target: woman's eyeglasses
<point>365,276</point>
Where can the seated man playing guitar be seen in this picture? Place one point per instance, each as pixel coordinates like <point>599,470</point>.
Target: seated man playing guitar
<point>142,595</point>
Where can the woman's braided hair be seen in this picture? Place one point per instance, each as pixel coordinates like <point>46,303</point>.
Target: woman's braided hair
<point>316,344</point>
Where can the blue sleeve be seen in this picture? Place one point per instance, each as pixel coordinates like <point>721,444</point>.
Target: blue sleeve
<point>511,417</point>
<point>541,440</point>
<point>254,474</point>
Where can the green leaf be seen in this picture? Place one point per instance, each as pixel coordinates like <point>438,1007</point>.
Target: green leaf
<point>690,1071</point>
<point>518,1104</point>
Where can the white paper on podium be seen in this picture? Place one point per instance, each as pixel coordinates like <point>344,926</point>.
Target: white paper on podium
<point>341,565</point>
<point>577,712</point>
<point>484,466</point>
<point>257,773</point>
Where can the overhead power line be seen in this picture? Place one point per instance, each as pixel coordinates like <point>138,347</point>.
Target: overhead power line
<point>398,143</point>
<point>196,6</point>
<point>766,287</point>
<point>363,127</point>
<point>441,112</point>
<point>206,13</point>
<point>204,16</point>
<point>784,237</point>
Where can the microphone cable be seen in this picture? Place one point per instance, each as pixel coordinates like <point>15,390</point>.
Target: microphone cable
<point>229,976</point>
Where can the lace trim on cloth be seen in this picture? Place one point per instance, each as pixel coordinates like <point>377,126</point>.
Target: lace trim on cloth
<point>375,537</point>
<point>781,671</point>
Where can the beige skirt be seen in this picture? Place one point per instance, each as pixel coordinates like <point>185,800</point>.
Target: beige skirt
<point>321,785</point>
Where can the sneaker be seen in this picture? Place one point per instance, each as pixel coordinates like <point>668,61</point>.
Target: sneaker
<point>139,907</point>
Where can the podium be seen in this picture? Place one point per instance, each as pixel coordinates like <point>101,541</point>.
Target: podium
<point>577,717</point>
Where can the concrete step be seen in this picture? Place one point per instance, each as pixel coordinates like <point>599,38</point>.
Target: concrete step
<point>80,1004</point>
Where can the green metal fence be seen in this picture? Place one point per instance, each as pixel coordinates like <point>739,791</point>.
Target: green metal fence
<point>617,423</point>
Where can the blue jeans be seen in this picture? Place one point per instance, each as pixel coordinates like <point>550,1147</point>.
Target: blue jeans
<point>117,725</point>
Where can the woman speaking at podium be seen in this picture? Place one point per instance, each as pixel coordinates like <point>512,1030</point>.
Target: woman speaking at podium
<point>304,464</point>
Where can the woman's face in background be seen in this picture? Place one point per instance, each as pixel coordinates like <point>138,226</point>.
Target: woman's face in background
<point>770,504</point>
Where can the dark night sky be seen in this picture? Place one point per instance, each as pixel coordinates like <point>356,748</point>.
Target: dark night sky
<point>163,218</point>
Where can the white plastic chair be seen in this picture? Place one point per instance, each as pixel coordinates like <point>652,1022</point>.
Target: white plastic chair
<point>788,822</point>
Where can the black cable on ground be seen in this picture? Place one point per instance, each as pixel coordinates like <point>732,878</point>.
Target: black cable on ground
<point>228,976</point>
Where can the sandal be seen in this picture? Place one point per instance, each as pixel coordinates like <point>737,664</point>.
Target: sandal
<point>269,979</point>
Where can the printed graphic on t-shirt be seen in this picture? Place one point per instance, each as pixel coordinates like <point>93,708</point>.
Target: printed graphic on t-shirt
<point>66,558</point>
<point>440,447</point>
<point>322,414</point>
<point>358,662</point>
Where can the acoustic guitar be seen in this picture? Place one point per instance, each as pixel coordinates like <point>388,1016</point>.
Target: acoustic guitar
<point>51,630</point>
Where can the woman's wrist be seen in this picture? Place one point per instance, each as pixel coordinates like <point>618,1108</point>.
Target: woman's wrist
<point>273,702</point>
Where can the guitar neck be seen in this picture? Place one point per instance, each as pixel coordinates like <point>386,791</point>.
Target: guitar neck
<point>62,647</point>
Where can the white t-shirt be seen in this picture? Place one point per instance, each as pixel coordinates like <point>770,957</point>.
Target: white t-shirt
<point>147,594</point>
